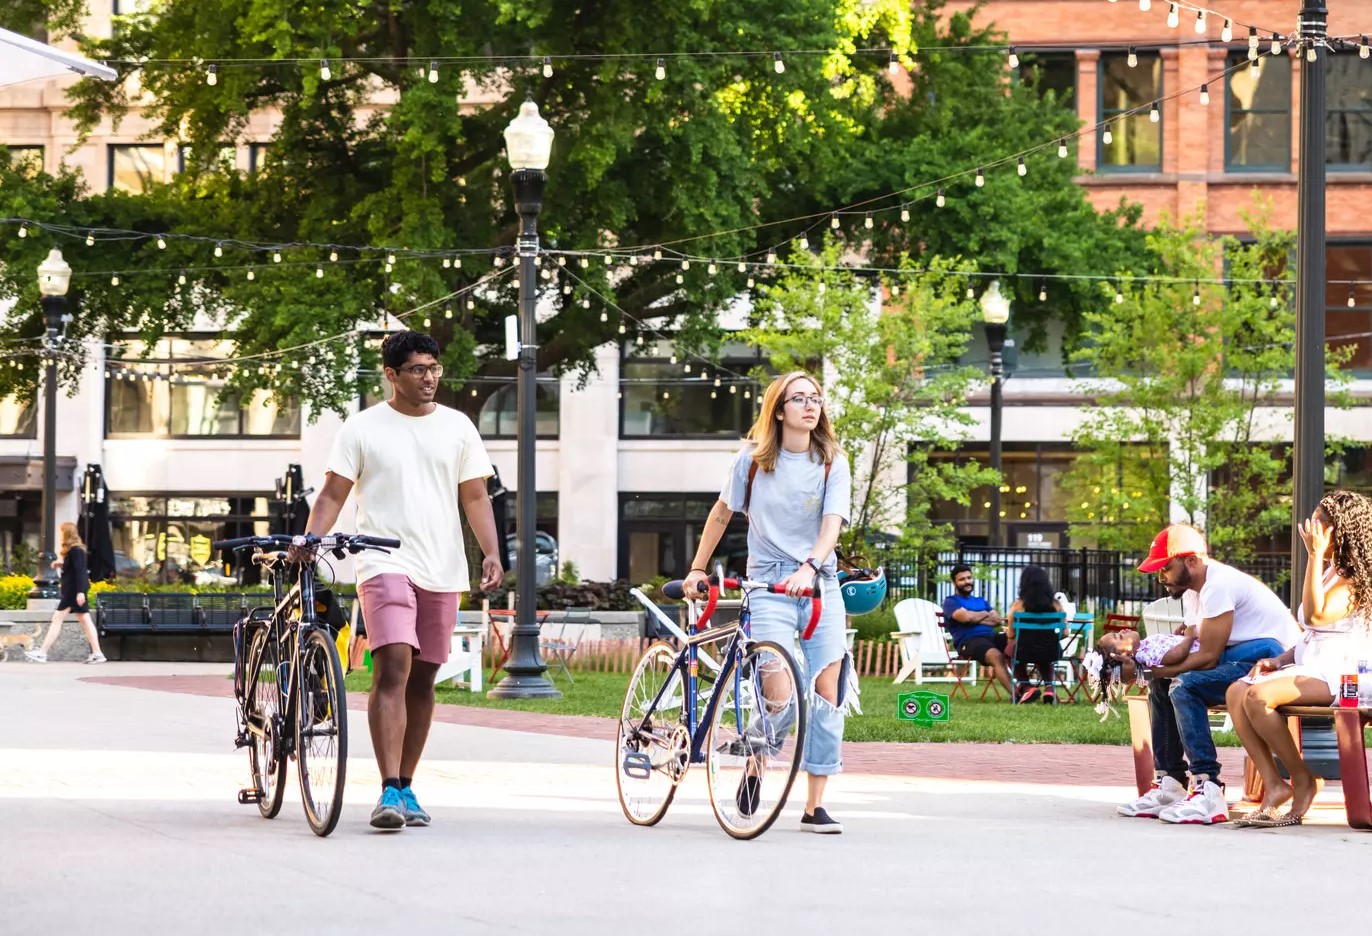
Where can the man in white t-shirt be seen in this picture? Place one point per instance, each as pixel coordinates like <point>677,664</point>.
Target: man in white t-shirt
<point>1237,621</point>
<point>412,463</point>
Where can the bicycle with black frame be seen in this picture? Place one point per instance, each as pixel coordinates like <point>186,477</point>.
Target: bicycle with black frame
<point>288,679</point>
<point>743,717</point>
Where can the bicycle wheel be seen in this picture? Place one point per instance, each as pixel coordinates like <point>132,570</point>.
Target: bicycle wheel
<point>267,764</point>
<point>321,724</point>
<point>757,736</point>
<point>653,747</point>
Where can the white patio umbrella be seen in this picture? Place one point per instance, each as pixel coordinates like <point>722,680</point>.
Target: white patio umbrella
<point>25,59</point>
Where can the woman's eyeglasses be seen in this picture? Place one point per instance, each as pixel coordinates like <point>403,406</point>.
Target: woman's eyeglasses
<point>802,400</point>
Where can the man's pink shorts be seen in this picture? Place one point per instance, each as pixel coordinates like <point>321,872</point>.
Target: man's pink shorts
<point>398,611</point>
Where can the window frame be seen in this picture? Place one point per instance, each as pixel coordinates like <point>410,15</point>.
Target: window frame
<point>110,151</point>
<point>1330,112</point>
<point>1229,165</point>
<point>185,437</point>
<point>1340,307</point>
<point>1029,54</point>
<point>627,356</point>
<point>1101,67</point>
<point>16,150</point>
<point>32,406</point>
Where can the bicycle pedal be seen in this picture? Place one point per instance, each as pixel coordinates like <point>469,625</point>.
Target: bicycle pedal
<point>637,765</point>
<point>249,796</point>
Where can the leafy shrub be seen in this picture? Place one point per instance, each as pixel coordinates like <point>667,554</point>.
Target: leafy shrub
<point>558,596</point>
<point>14,592</point>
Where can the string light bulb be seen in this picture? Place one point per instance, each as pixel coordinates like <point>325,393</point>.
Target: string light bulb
<point>114,280</point>
<point>1022,169</point>
<point>276,256</point>
<point>181,279</point>
<point>712,269</point>
<point>867,221</point>
<point>90,239</point>
<point>333,256</point>
<point>777,64</point>
<point>1352,299</point>
<point>1173,16</point>
<point>1205,95</point>
<point>1133,59</point>
<point>433,72</point>
<point>219,250</point>
<point>803,242</point>
<point>212,76</point>
<point>252,275</point>
<point>981,177</point>
<point>547,66</point>
<point>325,73</point>
<point>939,200</point>
<point>1062,149</point>
<point>1043,291</point>
<point>161,242</point>
<point>1195,296</point>
<point>742,267</point>
<point>1311,54</point>
<point>319,272</point>
<point>904,213</point>
<point>771,257</point>
<point>1276,44</point>
<point>23,230</point>
<point>1014,58</point>
<point>1227,31</point>
<point>893,64</point>
<point>1119,296</point>
<point>1154,114</point>
<point>661,71</point>
<point>1252,43</point>
<point>833,221</point>
<point>1200,22</point>
<point>1145,5</point>
<point>1364,49</point>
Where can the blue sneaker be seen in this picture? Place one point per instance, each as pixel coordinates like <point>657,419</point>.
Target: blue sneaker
<point>389,813</point>
<point>414,814</point>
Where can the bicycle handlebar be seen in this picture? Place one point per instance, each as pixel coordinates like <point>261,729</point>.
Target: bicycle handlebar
<point>352,542</point>
<point>676,589</point>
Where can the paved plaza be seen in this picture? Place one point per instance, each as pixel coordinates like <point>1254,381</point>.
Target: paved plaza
<point>117,815</point>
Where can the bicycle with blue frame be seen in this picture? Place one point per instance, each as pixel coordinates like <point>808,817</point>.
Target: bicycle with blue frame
<point>745,722</point>
<point>288,680</point>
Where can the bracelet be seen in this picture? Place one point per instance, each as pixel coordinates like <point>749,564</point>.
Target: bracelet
<point>706,571</point>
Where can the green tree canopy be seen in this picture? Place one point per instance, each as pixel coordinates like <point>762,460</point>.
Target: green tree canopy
<point>706,160</point>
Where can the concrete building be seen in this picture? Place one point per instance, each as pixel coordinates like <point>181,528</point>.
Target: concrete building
<point>630,462</point>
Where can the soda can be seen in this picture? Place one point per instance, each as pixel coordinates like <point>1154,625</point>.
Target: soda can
<point>1348,690</point>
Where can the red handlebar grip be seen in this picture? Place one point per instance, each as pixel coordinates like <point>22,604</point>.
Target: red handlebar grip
<point>816,607</point>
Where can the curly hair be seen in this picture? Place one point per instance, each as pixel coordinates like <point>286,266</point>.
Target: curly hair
<point>1350,514</point>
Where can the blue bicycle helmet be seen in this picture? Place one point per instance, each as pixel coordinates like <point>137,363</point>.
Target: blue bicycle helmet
<point>863,590</point>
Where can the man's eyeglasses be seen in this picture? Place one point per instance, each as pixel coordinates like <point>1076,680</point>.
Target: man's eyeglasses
<point>419,370</point>
<point>802,400</point>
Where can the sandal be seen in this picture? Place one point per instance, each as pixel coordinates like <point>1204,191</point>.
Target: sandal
<point>1274,822</point>
<point>1262,816</point>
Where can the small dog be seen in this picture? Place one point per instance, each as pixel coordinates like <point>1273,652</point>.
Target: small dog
<point>23,641</point>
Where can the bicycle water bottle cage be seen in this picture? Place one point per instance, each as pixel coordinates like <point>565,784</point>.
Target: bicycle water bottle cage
<point>637,765</point>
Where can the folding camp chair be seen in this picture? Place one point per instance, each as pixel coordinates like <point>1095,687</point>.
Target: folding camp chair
<point>1054,622</point>
<point>561,647</point>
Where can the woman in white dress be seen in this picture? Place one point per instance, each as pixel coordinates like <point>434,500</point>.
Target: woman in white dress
<point>1336,611</point>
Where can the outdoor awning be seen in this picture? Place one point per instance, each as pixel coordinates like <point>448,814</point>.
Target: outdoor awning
<point>25,59</point>
<point>25,473</point>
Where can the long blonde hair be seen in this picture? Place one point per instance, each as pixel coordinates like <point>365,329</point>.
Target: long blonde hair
<point>766,432</point>
<point>70,538</point>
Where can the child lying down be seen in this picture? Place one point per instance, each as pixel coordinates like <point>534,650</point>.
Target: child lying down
<point>1124,657</point>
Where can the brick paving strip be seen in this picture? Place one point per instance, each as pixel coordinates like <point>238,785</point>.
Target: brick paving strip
<point>1061,764</point>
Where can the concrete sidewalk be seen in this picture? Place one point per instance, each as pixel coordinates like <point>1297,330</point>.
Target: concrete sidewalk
<point>117,815</point>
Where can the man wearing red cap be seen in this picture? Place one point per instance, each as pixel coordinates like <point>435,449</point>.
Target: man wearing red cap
<point>1238,622</point>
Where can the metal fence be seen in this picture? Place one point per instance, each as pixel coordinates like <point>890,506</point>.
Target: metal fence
<point>1101,579</point>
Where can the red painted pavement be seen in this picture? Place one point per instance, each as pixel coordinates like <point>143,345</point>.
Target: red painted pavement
<point>1074,764</point>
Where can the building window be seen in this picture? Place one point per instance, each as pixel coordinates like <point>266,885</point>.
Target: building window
<point>1125,97</point>
<point>153,393</point>
<point>1348,113</point>
<point>1032,502</point>
<point>27,160</point>
<point>498,417</point>
<point>18,419</point>
<point>259,157</point>
<point>1349,326</point>
<point>1258,115</point>
<point>167,538</point>
<point>661,397</point>
<point>223,159</point>
<point>134,168</point>
<point>658,535</point>
<point>1054,72</point>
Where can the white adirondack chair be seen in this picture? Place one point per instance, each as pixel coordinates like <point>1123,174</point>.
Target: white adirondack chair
<point>922,645</point>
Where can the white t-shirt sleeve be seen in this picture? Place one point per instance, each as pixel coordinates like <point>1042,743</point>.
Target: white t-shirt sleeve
<point>736,487</point>
<point>476,463</point>
<point>345,458</point>
<point>838,490</point>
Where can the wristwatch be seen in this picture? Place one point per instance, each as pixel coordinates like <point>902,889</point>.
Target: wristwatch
<point>812,564</point>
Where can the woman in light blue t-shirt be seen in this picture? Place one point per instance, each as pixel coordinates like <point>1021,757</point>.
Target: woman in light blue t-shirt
<point>797,501</point>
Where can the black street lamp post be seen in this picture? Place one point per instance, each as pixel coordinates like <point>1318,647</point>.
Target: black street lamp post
<point>1307,453</point>
<point>528,142</point>
<point>995,312</point>
<point>54,277</point>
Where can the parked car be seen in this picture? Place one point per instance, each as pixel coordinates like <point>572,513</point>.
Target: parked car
<point>545,555</point>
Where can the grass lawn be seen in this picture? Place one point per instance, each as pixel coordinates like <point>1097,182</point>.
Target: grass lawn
<point>603,694</point>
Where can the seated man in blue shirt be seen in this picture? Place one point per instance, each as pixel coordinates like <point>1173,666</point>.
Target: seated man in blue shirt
<point>972,623</point>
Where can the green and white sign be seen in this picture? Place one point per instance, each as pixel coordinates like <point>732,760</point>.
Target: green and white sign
<point>922,707</point>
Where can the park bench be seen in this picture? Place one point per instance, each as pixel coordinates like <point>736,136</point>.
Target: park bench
<point>1348,730</point>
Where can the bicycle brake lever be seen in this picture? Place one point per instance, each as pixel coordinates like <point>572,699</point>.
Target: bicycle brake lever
<point>338,552</point>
